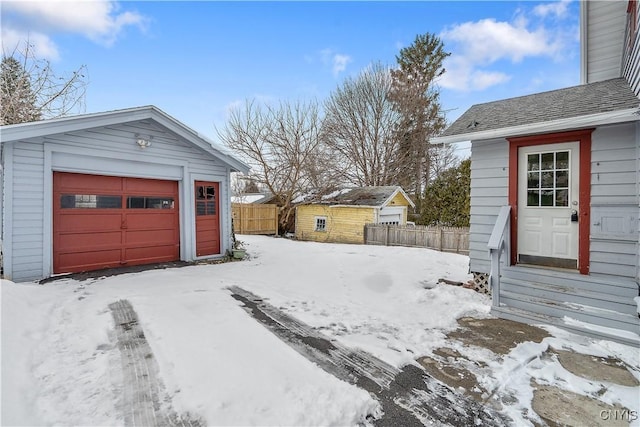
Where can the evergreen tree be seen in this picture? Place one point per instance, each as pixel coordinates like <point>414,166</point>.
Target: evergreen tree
<point>18,101</point>
<point>30,89</point>
<point>447,198</point>
<point>415,97</point>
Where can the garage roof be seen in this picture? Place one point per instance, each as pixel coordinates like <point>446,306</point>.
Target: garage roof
<point>377,196</point>
<point>86,121</point>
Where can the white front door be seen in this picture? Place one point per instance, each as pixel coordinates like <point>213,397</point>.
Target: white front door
<point>548,183</point>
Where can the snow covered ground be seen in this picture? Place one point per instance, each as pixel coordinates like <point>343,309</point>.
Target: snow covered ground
<point>60,364</point>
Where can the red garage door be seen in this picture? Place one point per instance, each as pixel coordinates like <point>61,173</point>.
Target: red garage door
<point>105,221</point>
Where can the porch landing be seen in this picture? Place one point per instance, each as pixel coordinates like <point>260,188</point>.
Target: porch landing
<point>600,307</point>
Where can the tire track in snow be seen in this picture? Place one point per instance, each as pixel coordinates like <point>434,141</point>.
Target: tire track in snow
<point>409,396</point>
<point>142,387</point>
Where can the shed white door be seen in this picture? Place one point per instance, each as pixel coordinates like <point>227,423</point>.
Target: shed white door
<point>391,215</point>
<point>548,183</point>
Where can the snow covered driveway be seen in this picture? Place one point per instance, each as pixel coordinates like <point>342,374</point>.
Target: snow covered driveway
<point>61,364</point>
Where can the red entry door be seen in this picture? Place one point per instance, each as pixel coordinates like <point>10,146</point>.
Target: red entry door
<point>207,218</point>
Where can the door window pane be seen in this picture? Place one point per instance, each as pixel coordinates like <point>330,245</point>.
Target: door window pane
<point>533,162</point>
<point>562,198</point>
<point>547,161</point>
<point>562,160</point>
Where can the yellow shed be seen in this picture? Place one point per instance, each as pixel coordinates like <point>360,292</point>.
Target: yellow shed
<point>341,216</point>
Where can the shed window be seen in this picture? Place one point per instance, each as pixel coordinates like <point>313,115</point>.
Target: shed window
<point>321,223</point>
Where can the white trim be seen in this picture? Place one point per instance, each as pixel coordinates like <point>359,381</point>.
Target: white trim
<point>598,119</point>
<point>7,243</point>
<point>398,190</point>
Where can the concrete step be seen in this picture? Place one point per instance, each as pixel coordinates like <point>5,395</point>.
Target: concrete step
<point>570,294</point>
<point>525,316</point>
<point>561,310</point>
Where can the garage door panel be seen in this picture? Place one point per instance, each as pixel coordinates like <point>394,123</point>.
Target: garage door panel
<point>151,222</point>
<point>136,256</point>
<point>90,260</point>
<point>147,186</point>
<point>84,222</point>
<point>87,237</point>
<point>71,181</point>
<point>149,237</point>
<point>84,241</point>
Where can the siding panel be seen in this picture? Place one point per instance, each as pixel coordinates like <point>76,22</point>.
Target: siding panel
<point>489,171</point>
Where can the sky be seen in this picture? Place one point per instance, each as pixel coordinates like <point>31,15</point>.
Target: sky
<point>198,60</point>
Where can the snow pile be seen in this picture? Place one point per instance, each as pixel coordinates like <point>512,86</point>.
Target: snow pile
<point>61,364</point>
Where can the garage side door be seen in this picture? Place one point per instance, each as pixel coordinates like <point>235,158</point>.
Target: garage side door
<point>105,221</point>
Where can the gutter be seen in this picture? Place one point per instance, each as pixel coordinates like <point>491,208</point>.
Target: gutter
<point>590,120</point>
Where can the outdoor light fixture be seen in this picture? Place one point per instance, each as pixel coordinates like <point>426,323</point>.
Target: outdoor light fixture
<point>143,142</point>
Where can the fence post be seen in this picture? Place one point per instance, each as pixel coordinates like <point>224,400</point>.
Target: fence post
<point>441,238</point>
<point>386,235</point>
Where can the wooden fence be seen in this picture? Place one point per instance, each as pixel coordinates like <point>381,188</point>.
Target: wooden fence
<point>445,239</point>
<point>254,219</point>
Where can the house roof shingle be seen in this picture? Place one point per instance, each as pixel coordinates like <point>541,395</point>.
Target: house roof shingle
<point>363,196</point>
<point>600,97</point>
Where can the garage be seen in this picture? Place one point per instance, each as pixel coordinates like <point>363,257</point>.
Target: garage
<point>107,221</point>
<point>112,189</point>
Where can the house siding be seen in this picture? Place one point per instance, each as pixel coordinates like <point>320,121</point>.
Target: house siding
<point>489,189</point>
<point>605,35</point>
<point>614,201</point>
<point>344,224</point>
<point>105,150</point>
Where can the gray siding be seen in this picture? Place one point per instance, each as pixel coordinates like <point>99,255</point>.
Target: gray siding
<point>606,21</point>
<point>489,189</point>
<point>26,210</point>
<point>631,70</point>
<point>614,201</point>
<point>30,174</point>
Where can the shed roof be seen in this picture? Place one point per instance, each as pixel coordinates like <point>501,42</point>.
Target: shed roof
<point>377,196</point>
<point>41,128</point>
<point>529,113</point>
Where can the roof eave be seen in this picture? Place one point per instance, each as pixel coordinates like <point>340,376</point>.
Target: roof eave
<point>74,123</point>
<point>395,192</point>
<point>597,119</point>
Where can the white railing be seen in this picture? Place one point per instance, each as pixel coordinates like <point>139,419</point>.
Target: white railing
<point>499,243</point>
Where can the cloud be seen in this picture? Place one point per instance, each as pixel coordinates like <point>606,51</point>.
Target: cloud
<point>337,61</point>
<point>478,45</point>
<point>101,21</point>
<point>42,46</point>
<point>558,9</point>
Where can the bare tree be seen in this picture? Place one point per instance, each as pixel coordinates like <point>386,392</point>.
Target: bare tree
<point>441,158</point>
<point>283,148</point>
<point>358,126</point>
<point>31,90</point>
